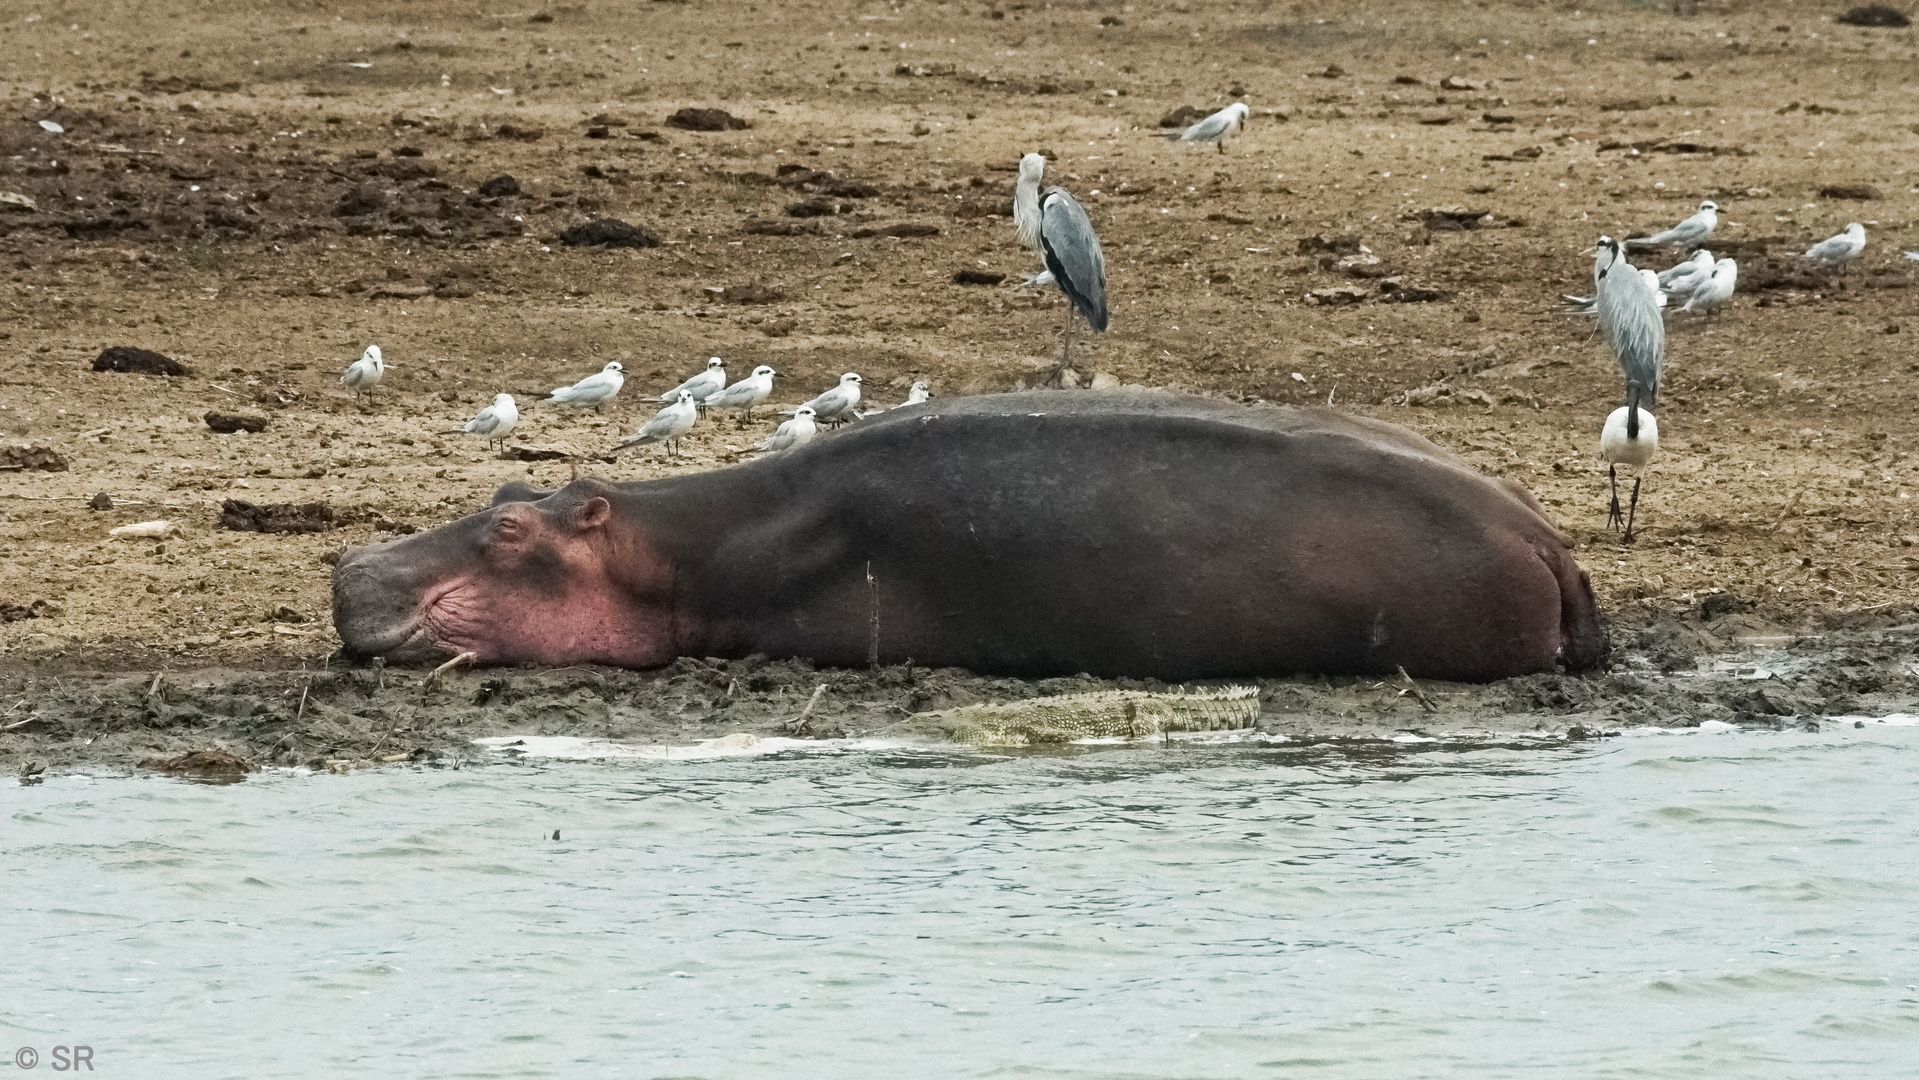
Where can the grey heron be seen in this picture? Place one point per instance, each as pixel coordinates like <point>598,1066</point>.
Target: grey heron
<point>1215,128</point>
<point>493,423</point>
<point>1839,250</point>
<point>702,386</point>
<point>1630,438</point>
<point>1716,291</point>
<point>746,393</point>
<point>1074,258</point>
<point>1629,318</point>
<point>793,433</point>
<point>362,375</point>
<point>1688,234</point>
<point>666,426</point>
<point>592,392</point>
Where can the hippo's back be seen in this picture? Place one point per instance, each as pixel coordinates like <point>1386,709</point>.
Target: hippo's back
<point>1145,534</point>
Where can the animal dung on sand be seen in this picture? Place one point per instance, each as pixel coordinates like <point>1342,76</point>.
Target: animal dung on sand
<point>129,360</point>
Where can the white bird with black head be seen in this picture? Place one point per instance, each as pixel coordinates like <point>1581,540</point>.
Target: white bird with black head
<point>702,386</point>
<point>667,426</point>
<point>362,375</point>
<point>1839,250</point>
<point>839,404</point>
<point>1216,128</point>
<point>1686,235</point>
<point>593,392</point>
<point>746,393</point>
<point>792,434</point>
<point>493,423</point>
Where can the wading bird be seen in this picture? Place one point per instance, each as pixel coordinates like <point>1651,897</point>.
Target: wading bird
<point>592,392</point>
<point>1839,250</point>
<point>493,423</point>
<point>1686,235</point>
<point>364,374</point>
<point>1214,129</point>
<point>1078,266</point>
<point>1630,438</point>
<point>666,426</point>
<point>1629,318</point>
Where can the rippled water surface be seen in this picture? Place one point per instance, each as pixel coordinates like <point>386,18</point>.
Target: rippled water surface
<point>1663,906</point>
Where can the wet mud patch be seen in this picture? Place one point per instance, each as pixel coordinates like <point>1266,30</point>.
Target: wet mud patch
<point>1729,670</point>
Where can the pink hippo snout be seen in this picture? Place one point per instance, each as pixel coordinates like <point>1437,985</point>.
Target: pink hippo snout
<point>520,582</point>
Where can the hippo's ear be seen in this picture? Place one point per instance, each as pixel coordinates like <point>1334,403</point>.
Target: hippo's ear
<point>592,514</point>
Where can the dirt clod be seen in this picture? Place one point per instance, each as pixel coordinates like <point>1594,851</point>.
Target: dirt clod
<point>976,277</point>
<point>499,187</point>
<point>213,765</point>
<point>706,120</point>
<point>608,232</point>
<point>1860,192</point>
<point>227,425</point>
<point>17,458</point>
<point>1875,15</point>
<point>242,516</point>
<point>101,501</point>
<point>132,361</point>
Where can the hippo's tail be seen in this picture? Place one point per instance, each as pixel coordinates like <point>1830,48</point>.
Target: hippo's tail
<point>1583,643</point>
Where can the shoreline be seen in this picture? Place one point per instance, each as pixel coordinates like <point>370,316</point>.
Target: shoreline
<point>1713,664</point>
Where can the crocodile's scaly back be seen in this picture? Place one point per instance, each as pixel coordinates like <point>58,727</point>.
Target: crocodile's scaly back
<point>1101,714</point>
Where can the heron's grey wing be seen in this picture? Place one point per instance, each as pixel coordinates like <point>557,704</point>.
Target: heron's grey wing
<point>1073,255</point>
<point>1630,320</point>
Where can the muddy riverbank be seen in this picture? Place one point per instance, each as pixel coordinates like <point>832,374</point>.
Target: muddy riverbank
<point>1713,664</point>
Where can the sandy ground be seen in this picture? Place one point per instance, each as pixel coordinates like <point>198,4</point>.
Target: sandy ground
<point>261,193</point>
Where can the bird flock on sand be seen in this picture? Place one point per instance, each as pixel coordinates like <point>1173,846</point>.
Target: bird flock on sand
<point>1630,304</point>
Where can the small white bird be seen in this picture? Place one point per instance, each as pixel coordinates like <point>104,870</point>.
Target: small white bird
<point>1032,168</point>
<point>702,386</point>
<point>493,423</point>
<point>1652,283</point>
<point>1681,280</point>
<point>1716,291</point>
<point>746,393</point>
<point>592,392</point>
<point>1216,128</point>
<point>1630,438</point>
<point>795,432</point>
<point>838,405</point>
<point>1839,250</point>
<point>365,373</point>
<point>666,426</point>
<point>914,396</point>
<point>1688,234</point>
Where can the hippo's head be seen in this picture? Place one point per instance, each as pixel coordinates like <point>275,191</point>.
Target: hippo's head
<point>558,580</point>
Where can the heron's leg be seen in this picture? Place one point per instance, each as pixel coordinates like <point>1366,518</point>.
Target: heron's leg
<point>1222,145</point>
<point>1066,358</point>
<point>1633,511</point>
<point>1613,517</point>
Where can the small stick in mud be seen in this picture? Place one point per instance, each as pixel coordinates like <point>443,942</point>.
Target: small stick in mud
<point>379,665</point>
<point>434,675</point>
<point>1418,695</point>
<point>1791,505</point>
<point>302,710</point>
<point>154,690</point>
<point>798,723</point>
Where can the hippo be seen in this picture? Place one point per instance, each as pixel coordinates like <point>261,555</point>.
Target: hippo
<point>1150,535</point>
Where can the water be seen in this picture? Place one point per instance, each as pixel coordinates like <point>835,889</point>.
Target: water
<point>1704,905</point>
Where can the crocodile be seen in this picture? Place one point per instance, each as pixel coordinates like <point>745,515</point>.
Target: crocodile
<point>1099,714</point>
